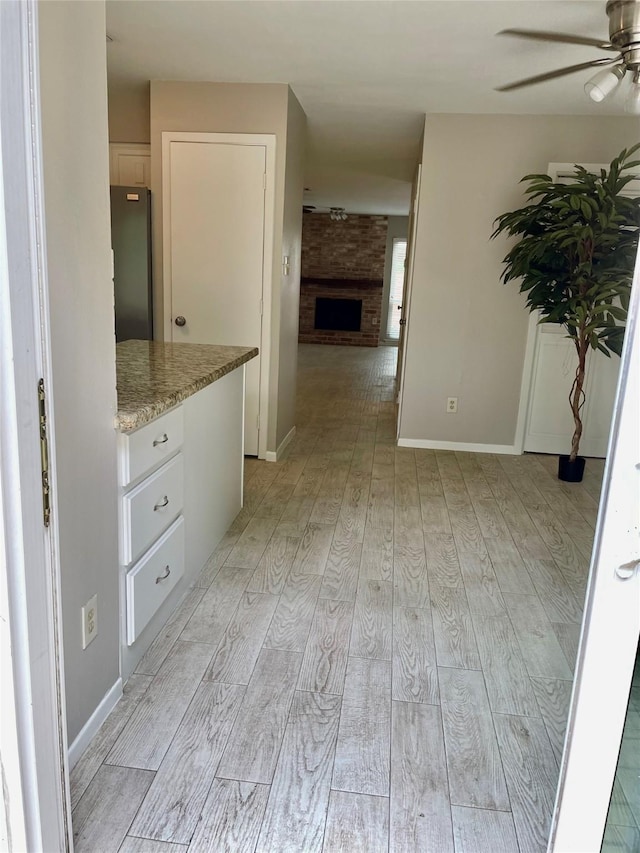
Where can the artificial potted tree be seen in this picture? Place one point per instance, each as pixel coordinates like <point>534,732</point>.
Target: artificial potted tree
<point>574,261</point>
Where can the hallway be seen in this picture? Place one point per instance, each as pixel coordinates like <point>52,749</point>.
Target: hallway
<point>378,656</point>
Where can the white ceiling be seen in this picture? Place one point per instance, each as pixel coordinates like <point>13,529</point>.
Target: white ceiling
<point>365,71</point>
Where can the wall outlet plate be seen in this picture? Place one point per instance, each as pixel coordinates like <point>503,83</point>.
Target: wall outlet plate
<point>452,405</point>
<point>89,621</point>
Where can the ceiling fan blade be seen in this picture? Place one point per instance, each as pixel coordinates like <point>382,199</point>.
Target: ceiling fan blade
<point>551,75</point>
<point>564,38</point>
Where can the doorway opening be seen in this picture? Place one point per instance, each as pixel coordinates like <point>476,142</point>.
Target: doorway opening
<point>396,287</point>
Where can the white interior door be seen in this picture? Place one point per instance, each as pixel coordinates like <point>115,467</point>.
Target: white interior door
<point>607,650</point>
<point>549,424</point>
<point>216,232</point>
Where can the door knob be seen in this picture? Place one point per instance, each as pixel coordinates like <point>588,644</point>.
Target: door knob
<point>627,570</point>
<point>180,321</point>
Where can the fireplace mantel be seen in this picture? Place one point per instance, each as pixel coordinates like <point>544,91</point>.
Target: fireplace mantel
<point>344,283</point>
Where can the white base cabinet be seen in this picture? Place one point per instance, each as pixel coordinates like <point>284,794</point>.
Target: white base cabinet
<point>149,508</point>
<point>152,578</point>
<point>151,445</point>
<point>180,489</point>
<point>213,465</point>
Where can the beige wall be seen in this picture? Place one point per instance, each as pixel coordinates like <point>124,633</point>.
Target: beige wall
<point>288,310</point>
<point>76,184</point>
<point>235,108</point>
<point>467,331</point>
<point>129,113</point>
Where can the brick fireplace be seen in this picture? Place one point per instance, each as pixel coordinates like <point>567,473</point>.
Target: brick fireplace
<point>342,262</point>
<point>368,293</point>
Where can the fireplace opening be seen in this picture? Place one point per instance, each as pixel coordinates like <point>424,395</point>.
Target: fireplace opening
<point>343,315</point>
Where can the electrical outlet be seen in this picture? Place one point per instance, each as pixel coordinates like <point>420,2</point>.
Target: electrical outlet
<point>452,405</point>
<point>89,621</point>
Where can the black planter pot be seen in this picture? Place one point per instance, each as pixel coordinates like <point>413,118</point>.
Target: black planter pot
<point>571,472</point>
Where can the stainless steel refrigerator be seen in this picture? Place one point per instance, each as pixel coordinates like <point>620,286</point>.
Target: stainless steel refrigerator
<point>131,243</point>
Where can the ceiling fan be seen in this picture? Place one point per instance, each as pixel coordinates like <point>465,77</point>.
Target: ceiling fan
<point>624,41</point>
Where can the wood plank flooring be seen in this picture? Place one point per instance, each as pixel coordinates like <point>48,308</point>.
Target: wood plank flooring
<point>377,657</point>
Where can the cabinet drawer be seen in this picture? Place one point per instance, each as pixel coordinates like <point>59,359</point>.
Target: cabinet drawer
<point>150,508</point>
<point>147,447</point>
<point>153,577</point>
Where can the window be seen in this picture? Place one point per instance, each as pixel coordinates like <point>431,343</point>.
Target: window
<point>398,257</point>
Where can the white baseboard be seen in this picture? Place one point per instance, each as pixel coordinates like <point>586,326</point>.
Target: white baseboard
<point>427,444</point>
<point>90,728</point>
<point>272,456</point>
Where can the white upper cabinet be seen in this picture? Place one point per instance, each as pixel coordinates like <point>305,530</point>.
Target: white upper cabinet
<point>130,164</point>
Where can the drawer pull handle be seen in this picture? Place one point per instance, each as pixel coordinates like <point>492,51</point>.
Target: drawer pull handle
<point>167,572</point>
<point>163,440</point>
<point>163,503</point>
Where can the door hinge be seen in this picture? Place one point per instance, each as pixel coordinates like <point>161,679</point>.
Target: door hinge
<point>258,422</point>
<point>261,305</point>
<point>44,455</point>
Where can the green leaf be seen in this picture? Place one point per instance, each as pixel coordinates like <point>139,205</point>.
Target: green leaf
<point>536,178</point>
<point>573,249</point>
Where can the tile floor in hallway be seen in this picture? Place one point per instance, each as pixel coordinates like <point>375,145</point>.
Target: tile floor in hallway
<point>378,656</point>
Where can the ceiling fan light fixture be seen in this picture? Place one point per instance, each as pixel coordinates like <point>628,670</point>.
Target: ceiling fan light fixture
<point>337,214</point>
<point>604,82</point>
<point>632,101</point>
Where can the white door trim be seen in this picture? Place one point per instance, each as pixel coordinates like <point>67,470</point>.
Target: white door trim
<point>268,140</point>
<point>33,733</point>
<point>609,637</point>
<point>406,302</point>
<point>463,446</point>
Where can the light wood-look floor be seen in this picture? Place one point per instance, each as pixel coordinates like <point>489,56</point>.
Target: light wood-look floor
<point>377,657</point>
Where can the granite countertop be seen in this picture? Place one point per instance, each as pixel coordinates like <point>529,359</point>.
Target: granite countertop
<point>152,377</point>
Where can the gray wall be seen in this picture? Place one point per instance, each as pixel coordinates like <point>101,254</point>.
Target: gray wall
<point>76,177</point>
<point>242,108</point>
<point>289,307</point>
<point>129,112</point>
<point>467,331</point>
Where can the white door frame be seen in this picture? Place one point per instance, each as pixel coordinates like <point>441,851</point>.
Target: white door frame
<point>268,140</point>
<point>406,299</point>
<point>33,731</point>
<point>610,630</point>
<point>555,170</point>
